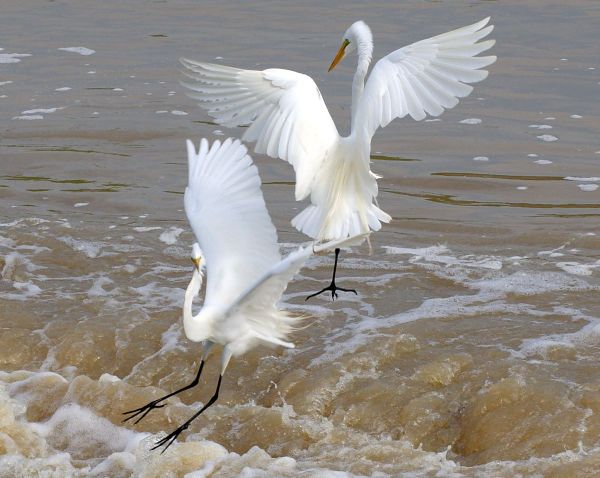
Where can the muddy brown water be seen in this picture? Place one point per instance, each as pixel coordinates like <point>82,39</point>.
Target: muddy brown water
<point>472,347</point>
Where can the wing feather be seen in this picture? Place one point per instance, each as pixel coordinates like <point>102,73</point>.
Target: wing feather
<point>286,113</point>
<point>425,78</point>
<point>227,212</point>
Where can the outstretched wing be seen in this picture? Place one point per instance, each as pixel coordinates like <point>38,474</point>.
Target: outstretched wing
<point>287,116</point>
<point>269,287</point>
<point>426,77</point>
<point>227,212</point>
<point>258,301</point>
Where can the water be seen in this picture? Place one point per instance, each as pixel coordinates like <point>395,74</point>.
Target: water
<point>472,346</point>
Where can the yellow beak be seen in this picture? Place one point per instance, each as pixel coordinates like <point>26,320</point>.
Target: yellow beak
<point>197,263</point>
<point>340,54</point>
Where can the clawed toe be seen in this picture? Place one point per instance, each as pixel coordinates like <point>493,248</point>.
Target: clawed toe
<point>143,411</point>
<point>333,288</point>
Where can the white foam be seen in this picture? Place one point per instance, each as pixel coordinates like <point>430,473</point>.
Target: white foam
<point>78,429</point>
<point>588,187</point>
<point>578,268</point>
<point>117,89</point>
<point>576,178</point>
<point>481,158</point>
<point>97,289</point>
<point>79,49</point>
<point>147,228</point>
<point>587,336</point>
<point>471,121</point>
<point>42,110</point>
<point>576,116</point>
<point>90,249</point>
<point>440,254</point>
<point>540,126</point>
<point>2,83</point>
<point>179,113</point>
<point>25,291</point>
<point>81,204</point>
<point>218,132</point>
<point>543,161</point>
<point>64,88</point>
<point>28,117</point>
<point>12,57</point>
<point>522,188</point>
<point>548,138</point>
<point>532,155</point>
<point>531,283</point>
<point>170,236</point>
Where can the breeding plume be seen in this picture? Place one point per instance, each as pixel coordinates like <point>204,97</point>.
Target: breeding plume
<point>288,118</point>
<point>246,275</point>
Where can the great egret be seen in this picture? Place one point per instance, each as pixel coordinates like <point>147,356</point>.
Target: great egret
<point>245,273</point>
<point>288,118</point>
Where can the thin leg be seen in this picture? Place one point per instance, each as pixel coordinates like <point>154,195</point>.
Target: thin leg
<point>171,437</point>
<point>143,411</point>
<point>332,287</point>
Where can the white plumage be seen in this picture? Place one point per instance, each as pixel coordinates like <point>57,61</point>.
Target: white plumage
<point>245,273</point>
<point>288,118</point>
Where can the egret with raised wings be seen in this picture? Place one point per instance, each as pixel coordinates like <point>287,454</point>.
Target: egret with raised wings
<point>246,275</point>
<point>288,118</point>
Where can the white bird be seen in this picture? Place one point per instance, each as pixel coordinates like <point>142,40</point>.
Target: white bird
<point>288,117</point>
<point>246,275</point>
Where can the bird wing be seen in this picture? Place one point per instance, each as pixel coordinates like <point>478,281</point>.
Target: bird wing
<point>259,300</point>
<point>287,116</point>
<point>425,77</point>
<point>269,287</point>
<point>227,212</point>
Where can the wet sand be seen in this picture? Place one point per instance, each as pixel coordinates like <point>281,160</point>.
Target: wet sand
<point>472,346</point>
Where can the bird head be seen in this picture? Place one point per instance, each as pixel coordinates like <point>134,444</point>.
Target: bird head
<point>196,256</point>
<point>357,37</point>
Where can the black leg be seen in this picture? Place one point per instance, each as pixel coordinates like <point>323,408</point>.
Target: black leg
<point>143,411</point>
<point>171,437</point>
<point>332,287</point>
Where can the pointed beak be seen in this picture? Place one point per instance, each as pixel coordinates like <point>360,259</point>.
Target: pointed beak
<point>340,54</point>
<point>197,263</point>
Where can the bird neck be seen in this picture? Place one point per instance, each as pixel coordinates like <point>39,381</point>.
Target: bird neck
<point>190,293</point>
<point>364,51</point>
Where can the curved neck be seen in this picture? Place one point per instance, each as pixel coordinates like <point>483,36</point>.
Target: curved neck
<point>364,52</point>
<point>190,293</point>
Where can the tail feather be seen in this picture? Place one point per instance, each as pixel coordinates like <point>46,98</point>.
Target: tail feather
<point>316,222</point>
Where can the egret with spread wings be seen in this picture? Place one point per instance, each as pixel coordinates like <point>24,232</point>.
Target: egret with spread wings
<point>246,275</point>
<point>287,118</point>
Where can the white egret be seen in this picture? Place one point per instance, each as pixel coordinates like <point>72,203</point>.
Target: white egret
<point>288,117</point>
<point>246,275</point>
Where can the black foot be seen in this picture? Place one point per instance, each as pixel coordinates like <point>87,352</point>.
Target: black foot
<point>146,409</point>
<point>143,411</point>
<point>171,437</point>
<point>333,288</point>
